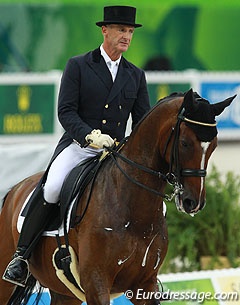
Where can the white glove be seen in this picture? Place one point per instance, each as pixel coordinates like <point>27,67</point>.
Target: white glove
<point>98,140</point>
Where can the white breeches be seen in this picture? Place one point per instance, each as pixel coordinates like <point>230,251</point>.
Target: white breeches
<point>71,156</point>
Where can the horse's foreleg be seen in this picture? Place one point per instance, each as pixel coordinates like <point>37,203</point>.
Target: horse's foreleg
<point>98,299</point>
<point>147,293</point>
<point>58,299</point>
<point>96,286</point>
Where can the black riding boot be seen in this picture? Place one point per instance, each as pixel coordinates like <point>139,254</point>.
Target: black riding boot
<point>38,216</point>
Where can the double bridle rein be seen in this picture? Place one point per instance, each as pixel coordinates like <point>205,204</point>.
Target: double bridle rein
<point>173,176</point>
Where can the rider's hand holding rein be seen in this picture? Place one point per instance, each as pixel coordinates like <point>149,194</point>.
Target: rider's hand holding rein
<point>98,139</point>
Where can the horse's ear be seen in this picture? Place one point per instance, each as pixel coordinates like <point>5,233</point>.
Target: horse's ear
<point>188,102</point>
<point>219,107</point>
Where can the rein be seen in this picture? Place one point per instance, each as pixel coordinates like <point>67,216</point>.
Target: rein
<point>115,154</point>
<point>173,176</point>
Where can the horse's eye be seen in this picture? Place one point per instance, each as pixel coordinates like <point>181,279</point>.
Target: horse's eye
<point>184,143</point>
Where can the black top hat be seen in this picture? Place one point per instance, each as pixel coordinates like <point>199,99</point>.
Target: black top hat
<point>119,15</point>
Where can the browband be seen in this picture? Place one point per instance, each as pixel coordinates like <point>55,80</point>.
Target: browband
<point>199,123</point>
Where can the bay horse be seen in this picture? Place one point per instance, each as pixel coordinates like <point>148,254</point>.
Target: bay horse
<point>122,239</point>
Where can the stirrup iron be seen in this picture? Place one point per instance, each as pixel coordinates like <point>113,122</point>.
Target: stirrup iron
<point>21,283</point>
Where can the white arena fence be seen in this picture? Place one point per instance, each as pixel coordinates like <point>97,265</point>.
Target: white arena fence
<point>21,93</point>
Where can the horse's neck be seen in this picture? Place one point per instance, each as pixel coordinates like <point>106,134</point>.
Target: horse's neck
<point>142,148</point>
<point>146,206</point>
<point>146,146</point>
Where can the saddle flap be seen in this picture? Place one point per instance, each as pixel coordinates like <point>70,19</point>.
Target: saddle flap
<point>76,182</point>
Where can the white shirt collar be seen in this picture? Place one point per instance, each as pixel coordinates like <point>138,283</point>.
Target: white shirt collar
<point>107,58</point>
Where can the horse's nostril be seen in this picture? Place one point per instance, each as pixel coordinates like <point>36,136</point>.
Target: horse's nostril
<point>189,205</point>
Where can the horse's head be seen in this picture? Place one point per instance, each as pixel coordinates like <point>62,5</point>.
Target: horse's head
<point>193,138</point>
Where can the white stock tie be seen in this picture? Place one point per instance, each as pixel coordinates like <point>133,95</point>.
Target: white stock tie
<point>113,67</point>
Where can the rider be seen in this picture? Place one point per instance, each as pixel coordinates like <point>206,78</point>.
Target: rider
<point>98,92</point>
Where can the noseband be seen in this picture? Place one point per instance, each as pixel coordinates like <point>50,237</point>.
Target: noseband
<point>175,172</point>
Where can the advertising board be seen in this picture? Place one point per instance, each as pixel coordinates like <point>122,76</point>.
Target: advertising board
<point>229,121</point>
<point>28,105</point>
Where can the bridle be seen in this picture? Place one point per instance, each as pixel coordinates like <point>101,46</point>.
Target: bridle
<point>174,157</point>
<point>175,172</point>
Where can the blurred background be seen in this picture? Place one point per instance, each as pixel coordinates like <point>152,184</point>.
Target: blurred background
<point>182,44</point>
<point>176,34</point>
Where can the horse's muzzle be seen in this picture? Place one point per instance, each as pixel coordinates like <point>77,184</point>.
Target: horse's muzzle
<point>191,206</point>
<point>188,205</point>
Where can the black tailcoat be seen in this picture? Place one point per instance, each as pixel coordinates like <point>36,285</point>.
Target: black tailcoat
<point>89,99</point>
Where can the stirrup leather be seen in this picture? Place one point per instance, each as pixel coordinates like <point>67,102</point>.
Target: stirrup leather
<point>15,282</point>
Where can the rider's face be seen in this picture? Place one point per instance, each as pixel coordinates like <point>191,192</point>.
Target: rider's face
<point>117,38</point>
